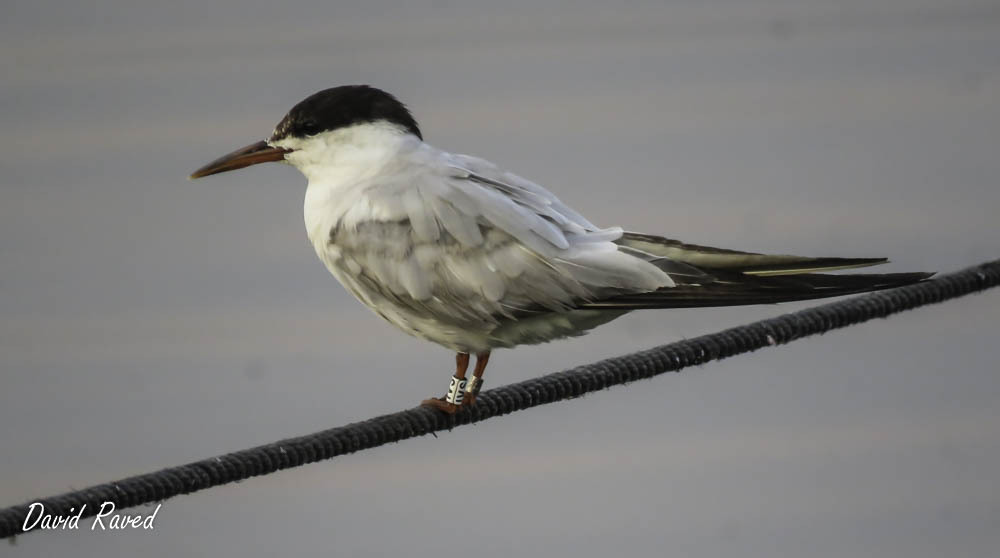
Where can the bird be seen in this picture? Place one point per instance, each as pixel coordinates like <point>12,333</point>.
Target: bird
<point>458,251</point>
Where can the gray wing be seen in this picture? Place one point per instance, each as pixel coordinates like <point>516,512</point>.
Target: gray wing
<point>750,263</point>
<point>453,244</point>
<point>467,244</point>
<point>734,278</point>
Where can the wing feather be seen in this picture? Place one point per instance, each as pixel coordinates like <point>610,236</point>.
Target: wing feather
<point>456,250</point>
<point>464,244</point>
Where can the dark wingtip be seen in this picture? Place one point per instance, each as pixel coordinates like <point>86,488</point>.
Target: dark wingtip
<point>858,261</point>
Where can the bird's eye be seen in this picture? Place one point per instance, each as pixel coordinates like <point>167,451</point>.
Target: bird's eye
<point>309,128</point>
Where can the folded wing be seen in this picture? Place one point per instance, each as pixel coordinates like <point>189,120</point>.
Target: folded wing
<point>732,278</point>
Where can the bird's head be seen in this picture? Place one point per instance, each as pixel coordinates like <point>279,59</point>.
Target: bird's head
<point>314,119</point>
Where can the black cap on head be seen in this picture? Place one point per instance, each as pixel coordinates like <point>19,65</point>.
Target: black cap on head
<point>344,106</point>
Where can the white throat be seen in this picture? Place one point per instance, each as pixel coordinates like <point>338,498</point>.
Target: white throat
<point>347,154</point>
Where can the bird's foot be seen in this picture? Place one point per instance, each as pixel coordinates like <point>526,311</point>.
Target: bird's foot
<point>449,403</point>
<point>441,405</point>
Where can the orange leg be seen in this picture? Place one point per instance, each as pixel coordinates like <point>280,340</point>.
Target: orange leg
<point>450,403</point>
<point>482,359</point>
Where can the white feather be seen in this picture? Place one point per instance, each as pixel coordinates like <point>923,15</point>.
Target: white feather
<point>452,249</point>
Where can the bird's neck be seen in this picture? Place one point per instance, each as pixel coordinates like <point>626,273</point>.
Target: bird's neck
<point>343,167</point>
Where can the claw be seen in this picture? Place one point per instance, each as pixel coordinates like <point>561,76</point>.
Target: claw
<point>440,404</point>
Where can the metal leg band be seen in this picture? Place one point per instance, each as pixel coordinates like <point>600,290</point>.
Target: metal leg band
<point>475,384</point>
<point>456,391</point>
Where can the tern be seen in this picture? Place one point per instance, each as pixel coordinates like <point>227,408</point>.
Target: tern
<point>458,251</point>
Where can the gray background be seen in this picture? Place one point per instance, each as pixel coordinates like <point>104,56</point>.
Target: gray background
<point>149,321</point>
